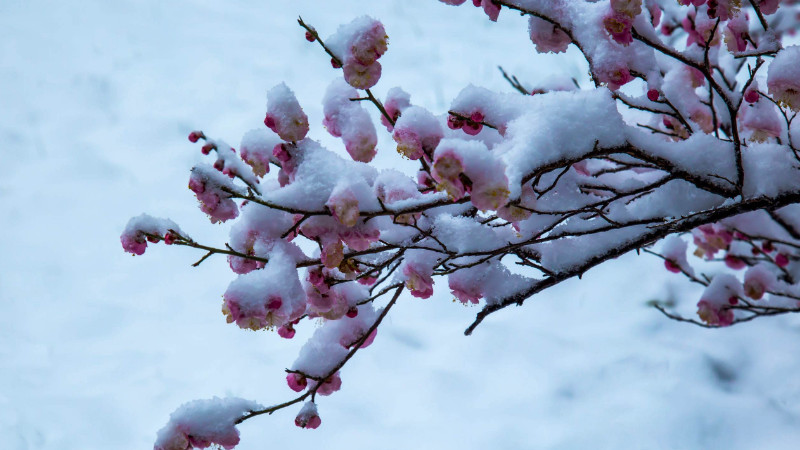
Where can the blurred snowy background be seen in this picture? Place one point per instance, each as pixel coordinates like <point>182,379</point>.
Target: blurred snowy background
<point>97,347</point>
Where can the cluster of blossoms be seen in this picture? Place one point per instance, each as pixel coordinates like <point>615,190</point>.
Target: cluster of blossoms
<point>673,140</point>
<point>760,266</point>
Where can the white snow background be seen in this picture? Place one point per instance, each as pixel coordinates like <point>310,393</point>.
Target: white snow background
<point>98,347</point>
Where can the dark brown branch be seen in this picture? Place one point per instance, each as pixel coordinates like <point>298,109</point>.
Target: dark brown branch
<point>655,233</point>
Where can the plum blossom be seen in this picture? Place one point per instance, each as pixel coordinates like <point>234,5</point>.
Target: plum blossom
<point>547,37</point>
<point>284,115</point>
<point>783,79</point>
<point>736,33</point>
<point>397,100</point>
<point>210,189</point>
<point>343,204</point>
<point>714,305</point>
<point>761,120</point>
<point>308,416</point>
<point>202,423</point>
<point>417,133</point>
<point>757,280</point>
<point>618,25</point>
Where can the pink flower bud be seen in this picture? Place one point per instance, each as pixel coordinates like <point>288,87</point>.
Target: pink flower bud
<point>781,260</point>
<point>310,36</point>
<point>352,312</point>
<point>297,382</point>
<point>653,95</point>
<point>734,262</point>
<point>269,121</point>
<point>331,385</point>
<point>169,238</point>
<point>135,244</point>
<point>751,96</point>
<point>362,76</point>
<point>286,331</point>
<point>335,64</point>
<point>454,122</point>
<point>472,128</point>
<point>195,135</point>
<point>206,149</point>
<point>308,417</point>
<point>671,266</point>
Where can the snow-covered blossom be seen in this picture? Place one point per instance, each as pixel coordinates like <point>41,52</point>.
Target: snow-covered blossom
<point>397,100</point>
<point>265,298</point>
<point>783,79</point>
<point>350,121</point>
<point>308,416</point>
<point>417,133</point>
<point>736,33</point>
<point>202,423</point>
<point>757,280</point>
<point>135,236</point>
<point>213,191</point>
<point>284,115</point>
<point>359,44</point>
<point>468,166</point>
<point>547,37</point>
<point>343,204</point>
<point>761,120</point>
<point>714,306</point>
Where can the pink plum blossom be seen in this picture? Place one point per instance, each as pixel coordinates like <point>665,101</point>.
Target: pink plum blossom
<point>783,79</point>
<point>547,37</point>
<point>418,280</point>
<point>284,114</point>
<point>308,416</point>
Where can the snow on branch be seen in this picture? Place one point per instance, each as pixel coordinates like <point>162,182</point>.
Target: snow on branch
<point>686,131</point>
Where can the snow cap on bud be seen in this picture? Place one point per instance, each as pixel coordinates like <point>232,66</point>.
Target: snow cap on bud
<point>308,416</point>
<point>284,114</point>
